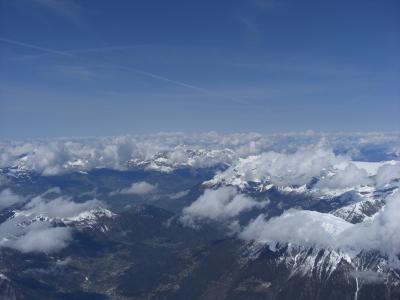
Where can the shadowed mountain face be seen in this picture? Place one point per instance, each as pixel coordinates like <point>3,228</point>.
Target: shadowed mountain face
<point>306,224</point>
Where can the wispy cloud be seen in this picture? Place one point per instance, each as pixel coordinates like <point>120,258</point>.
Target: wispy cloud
<point>162,78</point>
<point>132,69</point>
<point>35,47</point>
<point>109,48</point>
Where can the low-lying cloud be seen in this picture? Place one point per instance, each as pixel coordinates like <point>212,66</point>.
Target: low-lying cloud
<point>31,229</point>
<point>219,205</point>
<point>56,156</point>
<point>8,198</point>
<point>301,227</point>
<point>310,228</point>
<point>138,188</point>
<point>315,168</point>
<point>61,207</point>
<point>283,169</point>
<point>50,239</point>
<point>387,173</point>
<point>179,194</point>
<point>350,176</point>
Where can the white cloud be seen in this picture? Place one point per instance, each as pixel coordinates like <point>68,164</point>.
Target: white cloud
<point>221,204</point>
<point>310,228</point>
<point>139,188</point>
<point>55,156</point>
<point>285,159</point>
<point>46,240</point>
<point>382,232</point>
<point>8,198</point>
<point>32,228</point>
<point>300,227</point>
<point>282,169</point>
<point>387,173</point>
<point>350,176</point>
<point>62,207</point>
<point>179,194</point>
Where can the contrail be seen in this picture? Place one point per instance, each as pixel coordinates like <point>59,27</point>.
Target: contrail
<point>13,42</point>
<point>144,73</point>
<point>152,75</point>
<point>108,48</point>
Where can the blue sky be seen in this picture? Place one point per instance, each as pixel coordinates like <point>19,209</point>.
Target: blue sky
<point>73,68</point>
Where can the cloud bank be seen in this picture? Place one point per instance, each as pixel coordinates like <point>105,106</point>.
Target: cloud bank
<point>167,151</point>
<point>321,162</point>
<point>315,169</point>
